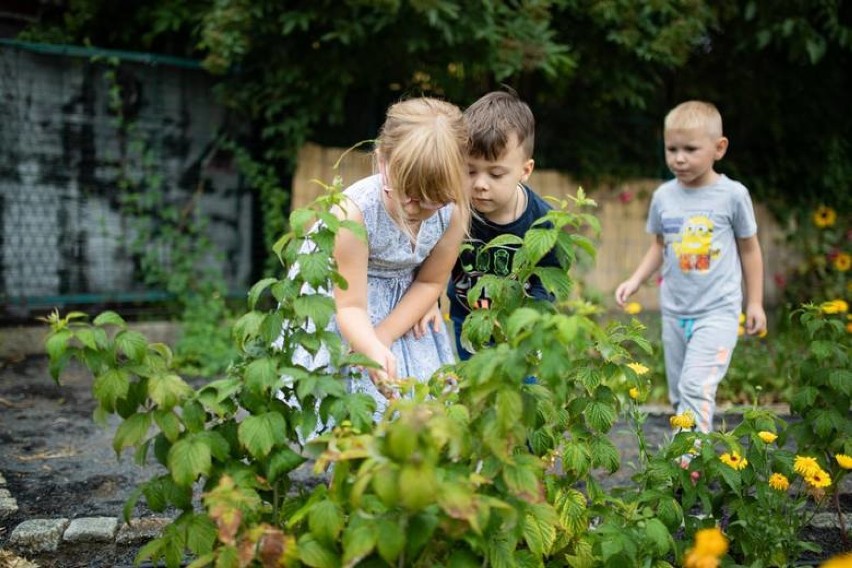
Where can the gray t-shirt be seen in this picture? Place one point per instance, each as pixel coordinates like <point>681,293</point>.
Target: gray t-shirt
<point>701,263</point>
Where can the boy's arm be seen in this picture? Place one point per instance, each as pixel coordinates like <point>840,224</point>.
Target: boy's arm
<point>649,264</point>
<point>752,261</point>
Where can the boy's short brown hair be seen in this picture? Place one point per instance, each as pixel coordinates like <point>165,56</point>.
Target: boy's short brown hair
<point>493,118</point>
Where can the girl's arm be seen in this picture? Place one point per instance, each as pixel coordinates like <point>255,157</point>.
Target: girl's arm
<point>430,282</point>
<point>752,261</point>
<point>351,253</point>
<point>649,264</point>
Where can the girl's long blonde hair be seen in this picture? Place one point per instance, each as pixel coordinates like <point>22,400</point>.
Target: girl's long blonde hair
<point>423,147</point>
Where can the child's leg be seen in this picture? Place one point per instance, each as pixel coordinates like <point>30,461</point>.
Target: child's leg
<point>708,355</point>
<point>675,338</point>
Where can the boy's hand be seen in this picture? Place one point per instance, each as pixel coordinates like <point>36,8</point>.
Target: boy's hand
<point>432,319</point>
<point>624,291</point>
<point>755,323</point>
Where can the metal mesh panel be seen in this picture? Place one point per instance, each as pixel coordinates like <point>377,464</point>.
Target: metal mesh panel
<point>68,164</point>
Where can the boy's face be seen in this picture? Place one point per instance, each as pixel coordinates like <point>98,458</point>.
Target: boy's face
<point>494,185</point>
<point>691,153</point>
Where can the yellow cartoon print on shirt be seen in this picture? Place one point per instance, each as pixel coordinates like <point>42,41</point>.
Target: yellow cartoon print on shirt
<point>694,250</point>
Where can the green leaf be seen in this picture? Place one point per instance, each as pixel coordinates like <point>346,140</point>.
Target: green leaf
<point>258,289</point>
<point>281,462</point>
<point>571,506</point>
<point>261,375</point>
<point>86,336</point>
<point>200,533</point>
<point>509,407</point>
<point>312,553</point>
<point>391,540</point>
<point>247,327</point>
<point>821,349</point>
<point>111,386</point>
<point>803,398</point>
<point>601,416</point>
<point>576,458</point>
<point>585,244</point>
<point>131,432</point>
<point>325,522</point>
<point>555,280</point>
<point>258,434</point>
<point>522,482</point>
<point>420,529</point>
<point>658,534</point>
<point>168,422</point>
<point>168,390</point>
<point>317,307</point>
<point>189,458</point>
<point>841,381</point>
<point>540,529</point>
<point>605,454</point>
<point>110,318</point>
<point>315,268</point>
<point>520,320</point>
<point>359,540</point>
<point>538,242</point>
<point>133,344</point>
<point>57,343</point>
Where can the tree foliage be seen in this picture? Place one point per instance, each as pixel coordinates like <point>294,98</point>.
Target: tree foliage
<point>600,74</point>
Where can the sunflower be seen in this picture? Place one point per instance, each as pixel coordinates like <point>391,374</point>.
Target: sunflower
<point>834,307</point>
<point>842,262</point>
<point>779,482</point>
<point>733,460</point>
<point>818,479</point>
<point>844,461</point>
<point>806,465</point>
<point>824,217</point>
<point>839,561</point>
<point>767,437</point>
<point>684,421</point>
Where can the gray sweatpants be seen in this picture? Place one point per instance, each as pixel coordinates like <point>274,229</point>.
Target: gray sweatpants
<point>697,353</point>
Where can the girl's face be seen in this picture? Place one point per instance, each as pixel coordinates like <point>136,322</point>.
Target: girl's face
<point>415,210</point>
<point>691,153</point>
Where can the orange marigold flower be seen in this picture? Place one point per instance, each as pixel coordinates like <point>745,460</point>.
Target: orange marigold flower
<point>806,465</point>
<point>767,437</point>
<point>842,262</point>
<point>849,327</point>
<point>779,482</point>
<point>633,308</point>
<point>733,460</point>
<point>684,421</point>
<point>818,479</point>
<point>824,217</point>
<point>844,461</point>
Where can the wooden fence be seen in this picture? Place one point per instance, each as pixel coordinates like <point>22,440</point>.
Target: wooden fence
<point>621,209</point>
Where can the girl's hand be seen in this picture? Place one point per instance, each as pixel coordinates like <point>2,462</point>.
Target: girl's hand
<point>386,377</point>
<point>625,290</point>
<point>432,319</point>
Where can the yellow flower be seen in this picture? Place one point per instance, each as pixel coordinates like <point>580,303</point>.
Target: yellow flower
<point>740,331</point>
<point>779,482</point>
<point>684,421</point>
<point>634,393</point>
<point>742,319</point>
<point>824,217</point>
<point>842,262</point>
<point>767,437</point>
<point>733,460</point>
<point>834,307</point>
<point>844,461</point>
<point>638,368</point>
<point>840,561</point>
<point>849,327</point>
<point>805,466</point>
<point>710,545</point>
<point>633,308</point>
<point>763,333</point>
<point>818,479</point>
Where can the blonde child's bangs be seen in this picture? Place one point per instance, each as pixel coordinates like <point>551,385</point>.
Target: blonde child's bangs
<point>695,114</point>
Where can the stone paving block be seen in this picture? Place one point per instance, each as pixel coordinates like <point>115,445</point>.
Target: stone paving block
<point>140,530</point>
<point>4,494</point>
<point>37,535</point>
<point>91,529</point>
<point>2,480</point>
<point>8,507</point>
<point>827,520</point>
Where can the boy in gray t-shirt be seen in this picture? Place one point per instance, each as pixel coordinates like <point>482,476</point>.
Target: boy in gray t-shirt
<point>705,240</point>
